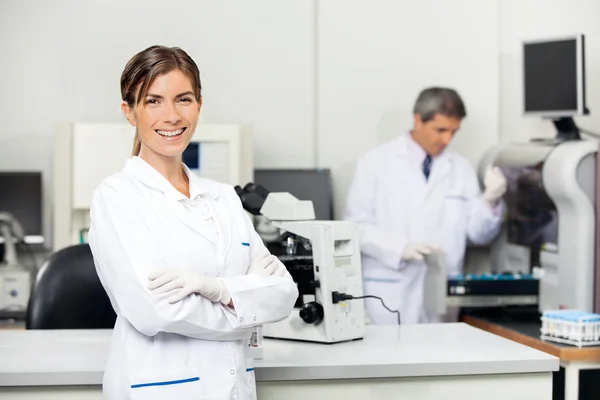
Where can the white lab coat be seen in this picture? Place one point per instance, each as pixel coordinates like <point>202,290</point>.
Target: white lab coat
<point>393,205</point>
<point>194,349</point>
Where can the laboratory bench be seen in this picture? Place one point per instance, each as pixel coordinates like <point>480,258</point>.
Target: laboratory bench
<point>433,361</point>
<point>579,373</point>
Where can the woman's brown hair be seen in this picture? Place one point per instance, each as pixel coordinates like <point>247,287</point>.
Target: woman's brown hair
<point>145,66</point>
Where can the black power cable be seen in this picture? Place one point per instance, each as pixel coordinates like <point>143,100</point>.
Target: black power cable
<point>336,297</point>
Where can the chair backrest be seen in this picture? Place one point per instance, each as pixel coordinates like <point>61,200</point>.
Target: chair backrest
<point>68,294</point>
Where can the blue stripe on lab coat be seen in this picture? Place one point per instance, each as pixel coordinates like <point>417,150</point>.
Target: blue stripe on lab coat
<point>249,369</point>
<point>457,197</point>
<point>246,244</point>
<point>381,280</point>
<point>166,383</point>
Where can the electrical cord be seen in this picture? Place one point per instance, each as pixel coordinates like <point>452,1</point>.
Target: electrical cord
<point>336,297</point>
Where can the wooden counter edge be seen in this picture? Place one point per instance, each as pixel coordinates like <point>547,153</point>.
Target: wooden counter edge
<point>564,353</point>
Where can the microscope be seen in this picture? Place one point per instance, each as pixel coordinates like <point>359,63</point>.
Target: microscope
<point>323,258</point>
<point>15,281</point>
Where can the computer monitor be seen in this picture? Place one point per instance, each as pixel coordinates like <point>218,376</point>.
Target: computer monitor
<point>554,77</point>
<point>305,184</point>
<point>21,196</point>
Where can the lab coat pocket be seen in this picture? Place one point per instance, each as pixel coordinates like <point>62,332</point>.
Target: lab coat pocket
<point>162,385</point>
<point>250,383</point>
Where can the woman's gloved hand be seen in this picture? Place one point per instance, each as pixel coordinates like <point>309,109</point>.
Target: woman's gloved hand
<point>185,282</point>
<point>267,266</point>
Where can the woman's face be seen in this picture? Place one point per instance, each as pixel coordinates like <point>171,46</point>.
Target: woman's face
<point>167,116</point>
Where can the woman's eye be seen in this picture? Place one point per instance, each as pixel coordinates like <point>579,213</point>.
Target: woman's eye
<point>151,101</point>
<point>186,100</point>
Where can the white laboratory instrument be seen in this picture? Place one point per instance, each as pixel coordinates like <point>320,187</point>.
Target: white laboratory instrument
<point>86,153</point>
<point>323,258</point>
<point>551,218</point>
<point>15,281</point>
<point>10,230</point>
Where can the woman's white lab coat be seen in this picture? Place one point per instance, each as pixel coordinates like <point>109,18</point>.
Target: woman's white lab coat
<point>193,349</point>
<point>393,205</point>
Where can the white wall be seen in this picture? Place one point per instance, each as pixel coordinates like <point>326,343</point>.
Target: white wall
<point>62,60</point>
<point>320,80</point>
<point>526,19</point>
<point>375,56</point>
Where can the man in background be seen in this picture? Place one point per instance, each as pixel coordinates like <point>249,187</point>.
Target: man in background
<point>411,197</point>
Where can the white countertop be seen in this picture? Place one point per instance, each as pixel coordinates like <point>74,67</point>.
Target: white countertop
<point>78,357</point>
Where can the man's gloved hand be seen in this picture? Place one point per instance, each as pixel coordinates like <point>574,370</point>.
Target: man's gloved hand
<point>267,266</point>
<point>184,282</point>
<point>495,185</point>
<point>417,251</point>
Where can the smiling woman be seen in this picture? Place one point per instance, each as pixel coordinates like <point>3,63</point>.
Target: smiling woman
<point>161,93</point>
<point>187,274</point>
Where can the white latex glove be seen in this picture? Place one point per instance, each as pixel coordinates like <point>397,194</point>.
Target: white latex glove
<point>495,185</point>
<point>267,266</point>
<point>417,251</point>
<point>184,282</point>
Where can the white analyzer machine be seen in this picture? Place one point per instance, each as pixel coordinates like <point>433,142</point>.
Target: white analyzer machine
<point>552,218</point>
<point>323,258</point>
<point>15,281</point>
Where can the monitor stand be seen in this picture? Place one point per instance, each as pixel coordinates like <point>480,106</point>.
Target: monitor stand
<point>566,129</point>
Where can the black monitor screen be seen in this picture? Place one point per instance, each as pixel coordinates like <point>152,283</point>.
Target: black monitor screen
<point>550,79</point>
<point>304,184</point>
<point>21,195</point>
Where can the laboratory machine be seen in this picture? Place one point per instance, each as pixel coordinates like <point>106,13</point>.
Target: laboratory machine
<point>546,254</point>
<point>84,154</point>
<point>551,221</point>
<point>15,281</point>
<point>323,258</point>
<point>21,195</point>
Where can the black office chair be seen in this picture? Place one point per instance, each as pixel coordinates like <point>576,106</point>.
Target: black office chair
<point>68,295</point>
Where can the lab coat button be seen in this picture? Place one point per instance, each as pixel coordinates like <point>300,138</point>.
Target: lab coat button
<point>241,319</point>
<point>232,371</point>
<point>255,317</point>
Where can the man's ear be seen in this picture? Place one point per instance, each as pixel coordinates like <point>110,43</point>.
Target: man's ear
<point>128,112</point>
<point>417,120</point>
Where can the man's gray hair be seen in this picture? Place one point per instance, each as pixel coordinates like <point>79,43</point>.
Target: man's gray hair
<point>438,100</point>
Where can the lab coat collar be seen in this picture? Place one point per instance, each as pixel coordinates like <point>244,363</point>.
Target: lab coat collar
<point>400,145</point>
<point>146,174</point>
<point>200,186</point>
<point>149,176</point>
<point>441,163</point>
<point>401,148</point>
